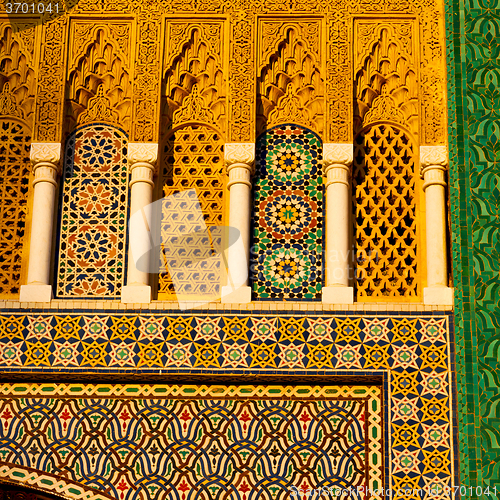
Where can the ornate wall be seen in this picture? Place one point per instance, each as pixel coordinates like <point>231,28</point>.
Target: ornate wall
<point>303,394</point>
<point>472,31</point>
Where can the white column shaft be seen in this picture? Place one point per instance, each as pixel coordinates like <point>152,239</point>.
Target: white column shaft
<point>239,218</point>
<point>337,226</point>
<point>141,193</point>
<point>437,269</point>
<point>42,224</point>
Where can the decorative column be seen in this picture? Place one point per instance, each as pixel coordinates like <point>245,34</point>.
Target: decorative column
<point>337,161</point>
<point>239,159</point>
<point>142,159</point>
<point>434,161</point>
<point>46,157</point>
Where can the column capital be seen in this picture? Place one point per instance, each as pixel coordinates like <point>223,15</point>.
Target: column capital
<point>431,156</point>
<point>142,152</point>
<point>47,153</point>
<point>142,159</point>
<point>239,153</point>
<point>433,163</point>
<point>46,160</point>
<point>337,154</point>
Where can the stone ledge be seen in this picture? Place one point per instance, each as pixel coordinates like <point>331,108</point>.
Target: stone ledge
<point>277,306</point>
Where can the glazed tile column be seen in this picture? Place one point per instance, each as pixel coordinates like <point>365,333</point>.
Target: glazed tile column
<point>46,159</point>
<point>142,159</point>
<point>337,161</point>
<point>239,159</point>
<point>434,161</point>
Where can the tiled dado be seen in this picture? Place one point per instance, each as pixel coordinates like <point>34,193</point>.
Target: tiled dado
<point>409,356</point>
<point>217,306</point>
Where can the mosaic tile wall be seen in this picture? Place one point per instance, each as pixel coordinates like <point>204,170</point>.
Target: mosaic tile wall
<point>473,55</point>
<point>411,355</point>
<point>288,215</point>
<point>158,442</point>
<point>93,214</point>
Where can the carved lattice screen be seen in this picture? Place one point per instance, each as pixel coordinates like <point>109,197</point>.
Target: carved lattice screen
<point>93,214</point>
<point>384,207</point>
<point>14,184</point>
<point>288,215</point>
<point>193,159</point>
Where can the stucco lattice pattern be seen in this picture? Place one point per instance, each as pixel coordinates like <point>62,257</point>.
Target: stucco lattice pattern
<point>204,442</point>
<point>93,214</point>
<point>192,159</point>
<point>288,215</point>
<point>384,208</point>
<point>14,181</point>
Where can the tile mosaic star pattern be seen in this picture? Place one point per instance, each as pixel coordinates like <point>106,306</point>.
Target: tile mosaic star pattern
<point>288,215</point>
<point>413,352</point>
<point>204,442</point>
<point>93,213</point>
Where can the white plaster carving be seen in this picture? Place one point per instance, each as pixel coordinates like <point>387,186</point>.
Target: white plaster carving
<point>46,152</point>
<point>433,155</point>
<point>239,152</point>
<point>337,154</point>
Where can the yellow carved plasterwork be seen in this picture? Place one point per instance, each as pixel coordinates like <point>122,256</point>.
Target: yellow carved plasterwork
<point>18,65</point>
<point>100,73</point>
<point>385,81</point>
<point>290,79</point>
<point>244,52</point>
<point>194,87</point>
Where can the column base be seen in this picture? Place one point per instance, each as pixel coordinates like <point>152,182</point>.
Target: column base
<point>36,293</point>
<point>438,296</point>
<point>241,295</point>
<point>337,295</point>
<point>136,294</point>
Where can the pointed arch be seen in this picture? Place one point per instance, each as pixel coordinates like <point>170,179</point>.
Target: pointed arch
<point>385,214</point>
<point>93,213</point>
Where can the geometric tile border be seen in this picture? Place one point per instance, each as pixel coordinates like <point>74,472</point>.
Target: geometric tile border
<point>47,483</point>
<point>413,351</point>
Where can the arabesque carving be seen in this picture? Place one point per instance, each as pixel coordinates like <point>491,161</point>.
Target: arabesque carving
<point>99,73</point>
<point>290,82</point>
<point>386,86</point>
<point>18,70</point>
<point>194,84</point>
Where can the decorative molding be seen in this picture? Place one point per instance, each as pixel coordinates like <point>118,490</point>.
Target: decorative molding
<point>384,108</point>
<point>239,152</point>
<point>337,154</point>
<point>48,483</point>
<point>289,110</point>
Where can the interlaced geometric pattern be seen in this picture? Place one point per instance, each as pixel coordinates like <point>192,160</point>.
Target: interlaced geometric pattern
<point>205,442</point>
<point>192,159</point>
<point>384,207</point>
<point>14,182</point>
<point>94,203</point>
<point>288,215</point>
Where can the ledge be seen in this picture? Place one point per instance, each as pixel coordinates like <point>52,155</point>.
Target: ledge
<point>155,305</point>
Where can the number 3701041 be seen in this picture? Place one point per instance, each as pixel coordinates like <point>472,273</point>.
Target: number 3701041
<point>32,8</point>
